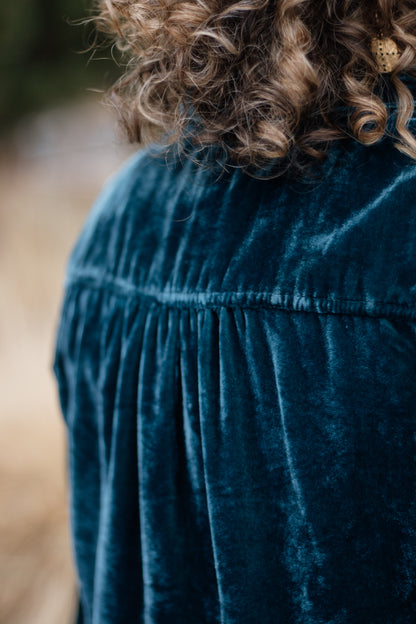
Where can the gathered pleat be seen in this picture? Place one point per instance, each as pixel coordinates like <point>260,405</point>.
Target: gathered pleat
<point>238,465</point>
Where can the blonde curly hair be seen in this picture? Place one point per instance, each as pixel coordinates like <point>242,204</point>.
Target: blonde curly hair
<point>264,80</point>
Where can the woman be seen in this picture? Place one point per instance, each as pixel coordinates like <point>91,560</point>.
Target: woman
<point>236,351</point>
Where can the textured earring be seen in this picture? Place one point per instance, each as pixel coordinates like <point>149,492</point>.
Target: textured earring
<point>385,52</point>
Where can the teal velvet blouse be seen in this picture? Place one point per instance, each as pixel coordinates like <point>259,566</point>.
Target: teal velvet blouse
<point>236,364</point>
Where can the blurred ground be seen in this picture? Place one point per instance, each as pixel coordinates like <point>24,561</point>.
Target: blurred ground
<point>50,173</point>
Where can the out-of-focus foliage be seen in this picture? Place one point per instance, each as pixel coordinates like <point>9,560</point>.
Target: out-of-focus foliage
<point>42,55</point>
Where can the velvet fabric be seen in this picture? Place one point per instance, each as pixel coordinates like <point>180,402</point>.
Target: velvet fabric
<point>236,364</point>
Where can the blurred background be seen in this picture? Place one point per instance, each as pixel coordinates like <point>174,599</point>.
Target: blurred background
<point>58,145</point>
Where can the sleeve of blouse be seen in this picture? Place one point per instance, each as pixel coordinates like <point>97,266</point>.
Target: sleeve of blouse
<point>75,367</point>
<point>96,359</point>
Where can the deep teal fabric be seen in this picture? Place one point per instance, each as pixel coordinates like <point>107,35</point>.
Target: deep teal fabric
<point>236,364</point>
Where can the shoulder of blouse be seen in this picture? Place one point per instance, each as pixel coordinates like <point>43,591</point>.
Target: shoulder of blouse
<point>174,233</point>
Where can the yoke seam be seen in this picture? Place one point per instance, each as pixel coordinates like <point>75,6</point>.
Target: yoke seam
<point>186,300</point>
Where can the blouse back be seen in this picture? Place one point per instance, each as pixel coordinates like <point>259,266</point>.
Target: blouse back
<point>236,364</point>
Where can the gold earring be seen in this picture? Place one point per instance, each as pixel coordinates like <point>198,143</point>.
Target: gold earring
<point>386,53</point>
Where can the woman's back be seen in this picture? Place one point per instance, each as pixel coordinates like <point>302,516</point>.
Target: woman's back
<point>236,361</point>
<point>236,357</point>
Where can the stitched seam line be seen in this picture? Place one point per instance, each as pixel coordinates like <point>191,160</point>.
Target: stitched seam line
<point>219,298</point>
